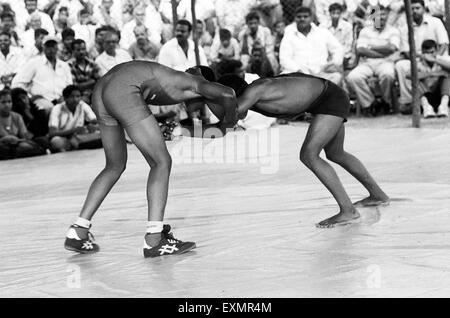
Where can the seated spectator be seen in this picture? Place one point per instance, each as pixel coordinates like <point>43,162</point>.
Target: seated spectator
<point>204,38</point>
<point>269,11</point>
<point>278,30</point>
<point>61,21</point>
<point>11,59</point>
<point>68,120</point>
<point>65,47</point>
<point>254,33</point>
<point>73,7</point>
<point>341,29</point>
<point>227,48</point>
<point>8,25</point>
<point>311,50</point>
<point>85,72</point>
<point>15,139</point>
<point>28,37</point>
<point>259,64</point>
<point>105,15</point>
<point>322,10</point>
<point>38,47</point>
<point>45,76</point>
<point>31,7</point>
<point>112,55</point>
<point>97,49</point>
<point>143,49</point>
<point>231,14</point>
<point>157,23</point>
<point>35,120</point>
<point>434,75</point>
<point>375,46</point>
<point>426,27</point>
<point>85,28</point>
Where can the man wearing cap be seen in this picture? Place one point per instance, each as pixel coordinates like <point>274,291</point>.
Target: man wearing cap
<point>45,76</point>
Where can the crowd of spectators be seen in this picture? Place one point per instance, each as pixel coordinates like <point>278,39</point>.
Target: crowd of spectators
<point>52,52</point>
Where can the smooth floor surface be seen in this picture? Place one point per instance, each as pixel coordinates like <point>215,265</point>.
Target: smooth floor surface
<point>253,221</point>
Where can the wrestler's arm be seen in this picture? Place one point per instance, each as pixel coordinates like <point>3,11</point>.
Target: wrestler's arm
<point>248,99</point>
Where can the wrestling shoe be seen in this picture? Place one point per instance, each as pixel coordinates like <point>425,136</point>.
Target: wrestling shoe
<point>76,244</point>
<point>168,245</point>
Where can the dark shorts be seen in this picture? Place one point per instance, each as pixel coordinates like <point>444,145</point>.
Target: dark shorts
<point>333,101</point>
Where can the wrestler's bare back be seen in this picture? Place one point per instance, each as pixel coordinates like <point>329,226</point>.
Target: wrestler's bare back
<point>160,85</point>
<point>281,95</point>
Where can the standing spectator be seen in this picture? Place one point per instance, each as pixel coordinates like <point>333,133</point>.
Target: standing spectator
<point>231,14</point>
<point>45,76</point>
<point>85,72</point>
<point>67,120</point>
<point>111,55</point>
<point>375,45</point>
<point>85,28</point>
<point>341,29</point>
<point>15,139</point>
<point>31,7</point>
<point>11,58</point>
<point>227,48</point>
<point>426,27</point>
<point>143,49</point>
<point>159,14</point>
<point>434,75</point>
<point>307,49</point>
<point>178,53</point>
<point>38,47</point>
<point>254,33</point>
<point>61,21</point>
<point>65,47</point>
<point>8,25</point>
<point>105,15</point>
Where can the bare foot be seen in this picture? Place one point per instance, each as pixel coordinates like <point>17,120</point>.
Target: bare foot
<point>373,201</point>
<point>340,219</point>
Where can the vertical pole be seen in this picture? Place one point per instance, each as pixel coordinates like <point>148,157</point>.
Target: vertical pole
<point>413,55</point>
<point>194,26</point>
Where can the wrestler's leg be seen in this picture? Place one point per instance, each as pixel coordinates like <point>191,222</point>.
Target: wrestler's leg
<point>335,152</point>
<point>323,129</point>
<point>147,137</point>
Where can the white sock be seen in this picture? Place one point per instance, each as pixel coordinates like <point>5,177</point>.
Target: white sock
<point>424,101</point>
<point>83,222</point>
<point>154,227</point>
<point>444,100</point>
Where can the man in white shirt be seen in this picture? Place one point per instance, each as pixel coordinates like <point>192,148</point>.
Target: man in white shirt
<point>11,58</point>
<point>341,29</point>
<point>111,55</point>
<point>45,76</point>
<point>426,27</point>
<point>231,14</point>
<point>375,46</point>
<point>31,7</point>
<point>308,49</point>
<point>106,13</point>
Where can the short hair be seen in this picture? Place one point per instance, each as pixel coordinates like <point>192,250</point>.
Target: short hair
<point>5,92</point>
<point>336,7</point>
<point>77,42</point>
<point>207,73</point>
<point>7,14</point>
<point>199,21</point>
<point>237,83</point>
<point>67,32</point>
<point>83,11</point>
<point>186,23</point>
<point>224,34</point>
<point>104,28</point>
<point>40,31</point>
<point>429,44</point>
<point>64,9</point>
<point>303,10</point>
<point>5,33</point>
<point>69,90</point>
<point>252,15</point>
<point>229,66</point>
<point>422,2</point>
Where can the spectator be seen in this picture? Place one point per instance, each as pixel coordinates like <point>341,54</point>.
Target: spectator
<point>426,27</point>
<point>38,47</point>
<point>204,38</point>
<point>375,46</point>
<point>254,33</point>
<point>111,55</point>
<point>35,120</point>
<point>9,25</point>
<point>157,23</point>
<point>28,37</point>
<point>307,48</point>
<point>341,29</point>
<point>85,28</point>
<point>85,72</point>
<point>269,11</point>
<point>15,139</point>
<point>278,30</point>
<point>259,63</point>
<point>178,53</point>
<point>231,14</point>
<point>45,76</point>
<point>227,48</point>
<point>97,49</point>
<point>322,10</point>
<point>74,7</point>
<point>67,120</point>
<point>65,47</point>
<point>11,58</point>
<point>138,19</point>
<point>61,21</point>
<point>143,49</point>
<point>105,15</point>
<point>31,7</point>
<point>434,74</point>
